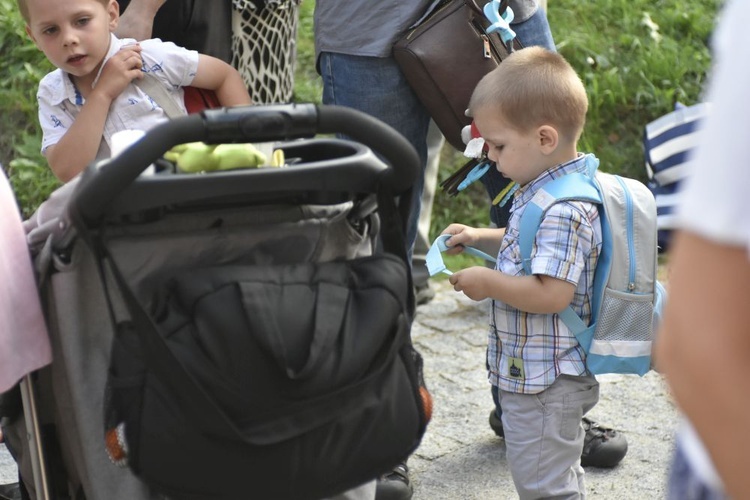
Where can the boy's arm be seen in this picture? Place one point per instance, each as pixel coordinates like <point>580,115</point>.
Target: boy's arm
<point>557,264</point>
<point>536,293</point>
<point>78,147</point>
<point>486,239</point>
<point>214,74</point>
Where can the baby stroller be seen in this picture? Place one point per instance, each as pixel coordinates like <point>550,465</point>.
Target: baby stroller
<point>236,334</point>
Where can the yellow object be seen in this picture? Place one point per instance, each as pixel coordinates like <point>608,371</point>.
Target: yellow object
<point>502,193</point>
<point>278,159</point>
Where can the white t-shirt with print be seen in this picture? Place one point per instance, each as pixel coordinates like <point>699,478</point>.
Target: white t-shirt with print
<point>60,101</point>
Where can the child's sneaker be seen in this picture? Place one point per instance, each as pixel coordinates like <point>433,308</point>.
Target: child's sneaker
<point>602,446</point>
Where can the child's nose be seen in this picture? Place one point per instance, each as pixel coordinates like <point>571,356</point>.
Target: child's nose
<point>70,37</point>
<point>492,155</point>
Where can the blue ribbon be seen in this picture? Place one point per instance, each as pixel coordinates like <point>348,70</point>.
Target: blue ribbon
<point>434,258</point>
<point>500,24</point>
<point>476,173</point>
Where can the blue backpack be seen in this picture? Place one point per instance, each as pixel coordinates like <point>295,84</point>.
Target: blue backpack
<point>628,298</point>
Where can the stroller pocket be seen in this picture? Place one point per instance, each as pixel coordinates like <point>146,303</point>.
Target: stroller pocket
<point>262,380</point>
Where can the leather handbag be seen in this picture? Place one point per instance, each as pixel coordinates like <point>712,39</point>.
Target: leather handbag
<point>445,55</point>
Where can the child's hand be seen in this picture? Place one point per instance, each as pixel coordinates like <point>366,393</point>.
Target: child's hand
<point>121,69</point>
<point>473,281</point>
<point>461,236</point>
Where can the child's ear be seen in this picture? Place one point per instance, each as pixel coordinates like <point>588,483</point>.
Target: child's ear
<point>31,35</point>
<point>548,138</point>
<point>113,10</point>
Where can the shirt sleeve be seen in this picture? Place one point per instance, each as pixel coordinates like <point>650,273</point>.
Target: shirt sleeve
<point>714,202</point>
<point>174,65</point>
<point>564,241</point>
<point>54,119</point>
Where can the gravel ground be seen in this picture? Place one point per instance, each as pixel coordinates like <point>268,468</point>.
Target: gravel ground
<point>461,458</point>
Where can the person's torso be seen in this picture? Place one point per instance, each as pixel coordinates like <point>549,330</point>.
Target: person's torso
<point>170,65</point>
<point>363,28</point>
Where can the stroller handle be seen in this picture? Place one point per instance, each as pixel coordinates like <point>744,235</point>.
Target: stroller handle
<point>279,122</point>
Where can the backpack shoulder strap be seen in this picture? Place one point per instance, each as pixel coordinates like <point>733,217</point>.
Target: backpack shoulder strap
<point>154,88</point>
<point>575,186</point>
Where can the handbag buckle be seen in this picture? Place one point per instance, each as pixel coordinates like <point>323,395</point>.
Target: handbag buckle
<point>486,46</point>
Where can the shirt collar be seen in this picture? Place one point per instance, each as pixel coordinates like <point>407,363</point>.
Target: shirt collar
<point>67,90</point>
<point>525,193</point>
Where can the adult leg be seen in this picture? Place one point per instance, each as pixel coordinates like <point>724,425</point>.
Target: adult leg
<point>376,86</point>
<point>535,31</point>
<point>424,293</point>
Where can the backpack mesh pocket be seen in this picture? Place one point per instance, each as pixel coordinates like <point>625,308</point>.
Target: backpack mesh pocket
<point>625,316</point>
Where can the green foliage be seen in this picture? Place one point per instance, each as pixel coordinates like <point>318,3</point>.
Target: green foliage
<point>307,84</point>
<point>637,59</point>
<point>31,178</point>
<point>20,139</point>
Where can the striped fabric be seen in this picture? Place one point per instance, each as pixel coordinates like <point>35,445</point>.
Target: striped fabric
<point>668,144</point>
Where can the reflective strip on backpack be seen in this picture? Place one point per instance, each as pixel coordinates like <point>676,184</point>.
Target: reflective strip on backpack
<point>620,348</point>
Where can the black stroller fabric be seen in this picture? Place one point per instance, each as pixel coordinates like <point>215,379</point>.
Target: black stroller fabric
<point>240,334</point>
<point>274,382</point>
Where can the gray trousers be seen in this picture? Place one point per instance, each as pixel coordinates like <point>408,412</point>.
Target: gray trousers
<point>544,437</point>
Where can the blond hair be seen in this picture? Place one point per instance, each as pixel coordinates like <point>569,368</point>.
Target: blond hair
<point>23,7</point>
<point>534,87</point>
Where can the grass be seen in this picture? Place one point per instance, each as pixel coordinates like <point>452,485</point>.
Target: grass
<point>20,137</point>
<point>636,58</point>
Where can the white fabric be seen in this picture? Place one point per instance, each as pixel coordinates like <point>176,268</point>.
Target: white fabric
<point>697,456</point>
<point>715,196</point>
<point>363,492</point>
<point>60,102</point>
<point>715,199</point>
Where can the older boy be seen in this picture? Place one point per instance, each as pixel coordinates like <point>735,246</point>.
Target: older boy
<point>92,95</point>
